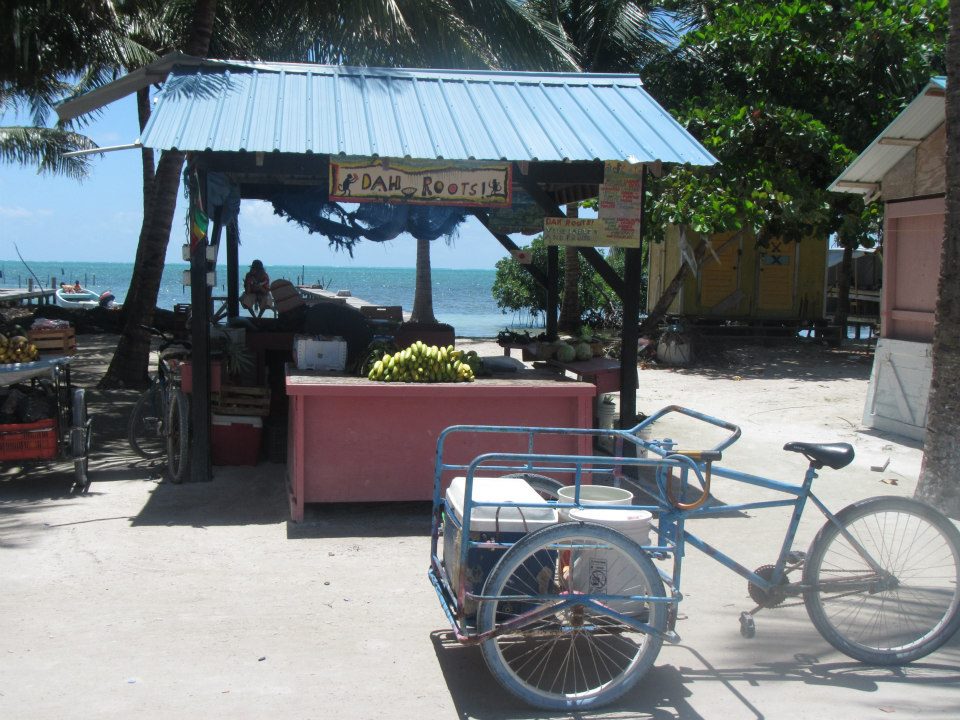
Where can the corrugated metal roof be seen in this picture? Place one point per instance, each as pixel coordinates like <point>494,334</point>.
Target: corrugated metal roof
<point>921,117</point>
<point>423,114</point>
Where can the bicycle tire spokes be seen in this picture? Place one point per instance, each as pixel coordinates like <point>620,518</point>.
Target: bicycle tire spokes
<point>907,609</point>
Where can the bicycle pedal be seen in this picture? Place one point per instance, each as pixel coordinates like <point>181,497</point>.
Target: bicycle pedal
<point>748,626</point>
<point>795,557</point>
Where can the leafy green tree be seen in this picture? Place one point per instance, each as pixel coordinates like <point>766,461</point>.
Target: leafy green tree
<point>515,290</point>
<point>609,36</point>
<point>784,93</point>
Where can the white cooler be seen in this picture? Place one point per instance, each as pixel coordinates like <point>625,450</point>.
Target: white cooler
<point>511,524</point>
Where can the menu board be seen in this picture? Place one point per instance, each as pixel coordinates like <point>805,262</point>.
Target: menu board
<point>618,223</point>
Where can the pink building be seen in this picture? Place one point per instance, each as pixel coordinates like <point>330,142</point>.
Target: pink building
<point>906,167</point>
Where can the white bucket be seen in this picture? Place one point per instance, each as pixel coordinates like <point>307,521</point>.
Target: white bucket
<point>596,570</point>
<point>593,495</point>
<point>635,524</point>
<point>607,419</point>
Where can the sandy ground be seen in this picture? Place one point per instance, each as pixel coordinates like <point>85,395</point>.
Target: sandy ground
<point>195,601</point>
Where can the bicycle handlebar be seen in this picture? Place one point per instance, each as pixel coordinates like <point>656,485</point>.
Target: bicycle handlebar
<point>167,340</point>
<point>717,422</point>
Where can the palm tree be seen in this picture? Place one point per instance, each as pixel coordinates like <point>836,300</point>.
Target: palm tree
<point>430,32</point>
<point>609,36</point>
<point>45,46</point>
<point>940,472</point>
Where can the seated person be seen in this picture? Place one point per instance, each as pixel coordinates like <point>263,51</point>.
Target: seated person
<point>256,290</point>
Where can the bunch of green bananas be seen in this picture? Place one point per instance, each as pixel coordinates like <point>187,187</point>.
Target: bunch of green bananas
<point>426,363</point>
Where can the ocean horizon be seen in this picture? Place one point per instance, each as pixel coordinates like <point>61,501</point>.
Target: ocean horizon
<point>461,298</point>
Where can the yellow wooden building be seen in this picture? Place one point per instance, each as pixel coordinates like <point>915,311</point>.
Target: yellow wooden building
<point>737,280</point>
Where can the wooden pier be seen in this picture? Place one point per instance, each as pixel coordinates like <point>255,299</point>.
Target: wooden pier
<point>314,295</point>
<point>18,296</point>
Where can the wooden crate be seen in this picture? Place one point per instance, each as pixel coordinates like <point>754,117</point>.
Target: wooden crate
<point>237,400</point>
<point>54,341</point>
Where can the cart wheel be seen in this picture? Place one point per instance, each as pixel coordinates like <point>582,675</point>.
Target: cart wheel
<point>80,440</point>
<point>582,655</point>
<point>178,436</point>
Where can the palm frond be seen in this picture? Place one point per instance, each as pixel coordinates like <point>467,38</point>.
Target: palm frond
<point>44,148</point>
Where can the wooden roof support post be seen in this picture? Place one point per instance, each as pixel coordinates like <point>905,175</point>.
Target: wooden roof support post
<point>630,333</point>
<point>200,436</point>
<point>553,291</point>
<point>233,269</point>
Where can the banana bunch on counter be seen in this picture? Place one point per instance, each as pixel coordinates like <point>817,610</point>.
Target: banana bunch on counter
<point>425,364</point>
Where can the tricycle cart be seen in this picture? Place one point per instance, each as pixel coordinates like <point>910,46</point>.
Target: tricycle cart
<point>65,434</point>
<point>544,561</point>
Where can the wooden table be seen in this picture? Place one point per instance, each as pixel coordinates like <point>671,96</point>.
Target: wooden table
<point>353,440</point>
<point>604,373</point>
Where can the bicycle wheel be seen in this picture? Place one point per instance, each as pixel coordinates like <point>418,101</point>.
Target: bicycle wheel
<point>581,656</point>
<point>903,613</point>
<point>145,431</point>
<point>546,486</point>
<point>80,439</point>
<point>178,436</point>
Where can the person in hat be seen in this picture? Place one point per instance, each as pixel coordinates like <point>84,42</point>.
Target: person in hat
<point>256,290</point>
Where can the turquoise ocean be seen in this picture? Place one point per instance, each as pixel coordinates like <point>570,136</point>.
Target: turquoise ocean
<point>461,298</point>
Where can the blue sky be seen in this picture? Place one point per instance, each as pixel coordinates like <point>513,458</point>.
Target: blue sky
<point>53,218</point>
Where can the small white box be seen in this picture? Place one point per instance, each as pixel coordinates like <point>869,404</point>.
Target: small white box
<point>319,353</point>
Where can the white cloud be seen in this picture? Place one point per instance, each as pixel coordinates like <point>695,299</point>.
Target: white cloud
<point>21,213</point>
<point>259,214</point>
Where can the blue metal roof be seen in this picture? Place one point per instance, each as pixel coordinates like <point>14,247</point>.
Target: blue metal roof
<point>421,114</point>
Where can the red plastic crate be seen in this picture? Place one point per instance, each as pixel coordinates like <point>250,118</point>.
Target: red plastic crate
<point>29,441</point>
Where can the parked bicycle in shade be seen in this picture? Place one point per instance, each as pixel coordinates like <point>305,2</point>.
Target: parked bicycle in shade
<point>160,421</point>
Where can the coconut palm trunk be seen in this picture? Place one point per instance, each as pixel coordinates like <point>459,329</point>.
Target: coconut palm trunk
<point>128,368</point>
<point>423,293</point>
<point>940,472</point>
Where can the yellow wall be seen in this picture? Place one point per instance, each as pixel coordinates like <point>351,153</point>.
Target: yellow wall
<point>738,280</point>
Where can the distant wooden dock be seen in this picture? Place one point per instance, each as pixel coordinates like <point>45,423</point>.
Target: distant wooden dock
<point>18,296</point>
<point>312,295</point>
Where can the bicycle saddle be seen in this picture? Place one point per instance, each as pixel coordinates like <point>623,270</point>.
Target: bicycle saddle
<point>834,455</point>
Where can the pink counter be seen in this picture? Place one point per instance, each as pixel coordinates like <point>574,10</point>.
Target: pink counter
<point>353,440</point>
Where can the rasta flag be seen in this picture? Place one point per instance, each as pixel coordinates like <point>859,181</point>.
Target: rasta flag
<point>198,227</point>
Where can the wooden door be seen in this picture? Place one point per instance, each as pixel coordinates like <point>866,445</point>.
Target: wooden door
<point>777,277</point>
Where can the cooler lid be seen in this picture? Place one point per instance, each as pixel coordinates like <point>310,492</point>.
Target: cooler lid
<point>500,490</point>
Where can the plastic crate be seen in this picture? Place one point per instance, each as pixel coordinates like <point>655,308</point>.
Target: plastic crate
<point>29,441</point>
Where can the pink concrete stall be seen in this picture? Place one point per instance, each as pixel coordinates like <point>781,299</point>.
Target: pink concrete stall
<point>353,440</point>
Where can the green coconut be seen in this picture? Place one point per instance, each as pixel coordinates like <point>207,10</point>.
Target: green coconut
<point>565,353</point>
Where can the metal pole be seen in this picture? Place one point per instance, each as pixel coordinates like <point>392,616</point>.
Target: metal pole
<point>200,450</point>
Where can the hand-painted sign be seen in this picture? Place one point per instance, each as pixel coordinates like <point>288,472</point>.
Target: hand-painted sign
<point>467,184</point>
<point>618,223</point>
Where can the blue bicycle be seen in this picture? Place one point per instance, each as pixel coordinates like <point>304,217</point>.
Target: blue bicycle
<point>571,614</point>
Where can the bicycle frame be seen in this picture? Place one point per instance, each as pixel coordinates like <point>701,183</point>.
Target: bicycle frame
<point>672,535</point>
